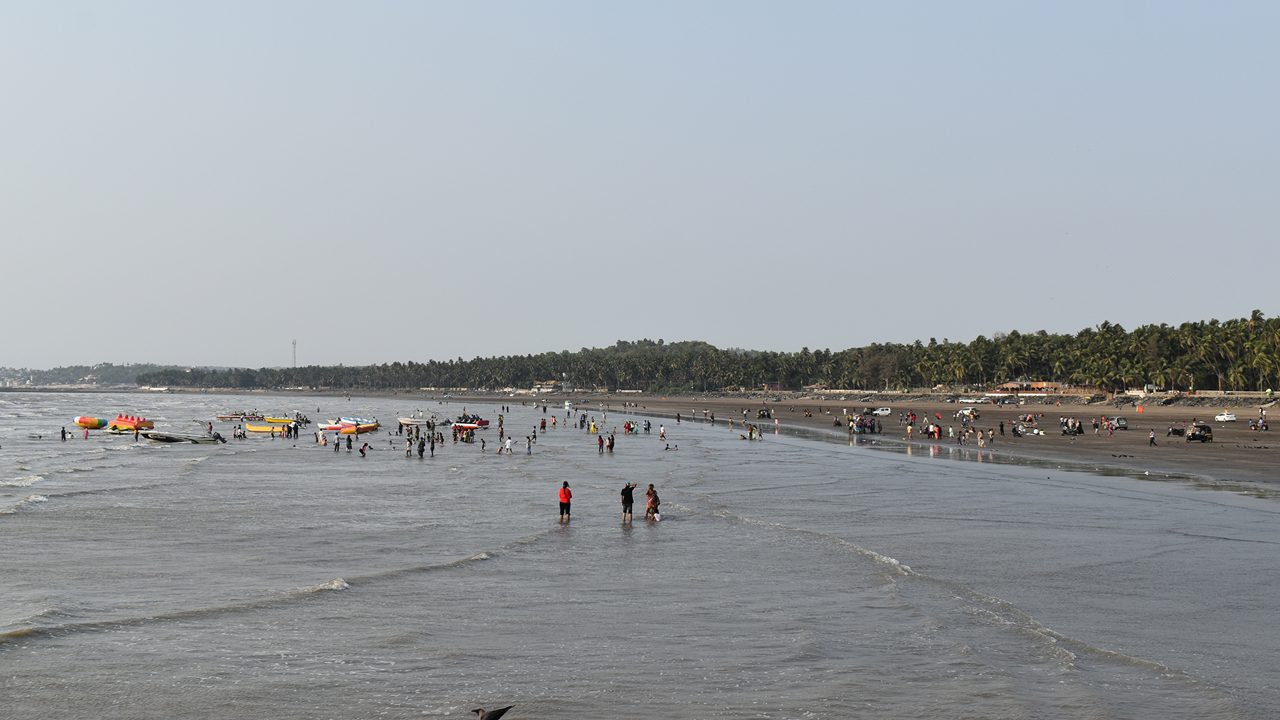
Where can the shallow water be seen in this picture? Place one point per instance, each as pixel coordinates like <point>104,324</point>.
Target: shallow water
<point>790,578</point>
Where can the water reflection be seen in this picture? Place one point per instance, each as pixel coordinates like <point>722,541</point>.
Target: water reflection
<point>885,443</point>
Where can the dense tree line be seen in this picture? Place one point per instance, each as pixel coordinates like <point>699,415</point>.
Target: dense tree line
<point>100,374</point>
<point>1242,354</point>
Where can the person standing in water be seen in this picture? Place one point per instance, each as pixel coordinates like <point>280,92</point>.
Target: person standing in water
<point>566,497</point>
<point>628,500</point>
<point>651,503</point>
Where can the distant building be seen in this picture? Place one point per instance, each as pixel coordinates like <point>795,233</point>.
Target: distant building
<point>1032,386</point>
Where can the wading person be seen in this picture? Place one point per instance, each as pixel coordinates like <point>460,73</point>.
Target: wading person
<point>628,499</point>
<point>566,497</point>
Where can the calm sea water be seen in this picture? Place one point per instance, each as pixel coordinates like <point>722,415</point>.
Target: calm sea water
<point>790,578</point>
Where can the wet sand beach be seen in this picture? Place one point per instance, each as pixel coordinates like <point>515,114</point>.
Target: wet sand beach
<point>1236,454</point>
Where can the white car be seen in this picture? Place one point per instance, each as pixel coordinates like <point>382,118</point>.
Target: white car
<point>882,412</point>
<point>1224,417</point>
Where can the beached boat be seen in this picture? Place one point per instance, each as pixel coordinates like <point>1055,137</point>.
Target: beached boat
<point>171,437</point>
<point>129,423</point>
<point>359,429</point>
<point>342,423</point>
<point>264,428</point>
<point>419,419</point>
<point>89,423</point>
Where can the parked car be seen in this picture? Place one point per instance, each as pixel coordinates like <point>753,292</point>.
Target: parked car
<point>882,412</point>
<point>1200,432</point>
<point>967,413</point>
<point>1225,417</point>
<point>1121,423</point>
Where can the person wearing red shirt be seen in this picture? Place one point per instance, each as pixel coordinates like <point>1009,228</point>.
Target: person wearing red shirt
<point>566,496</point>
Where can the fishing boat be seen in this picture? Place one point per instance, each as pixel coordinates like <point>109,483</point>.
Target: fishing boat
<point>89,423</point>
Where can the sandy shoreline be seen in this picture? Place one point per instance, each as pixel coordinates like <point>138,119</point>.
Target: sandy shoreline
<point>1237,455</point>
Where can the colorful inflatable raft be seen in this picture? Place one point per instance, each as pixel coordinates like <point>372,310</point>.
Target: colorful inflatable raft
<point>130,423</point>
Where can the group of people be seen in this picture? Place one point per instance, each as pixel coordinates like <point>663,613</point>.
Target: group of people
<point>651,503</point>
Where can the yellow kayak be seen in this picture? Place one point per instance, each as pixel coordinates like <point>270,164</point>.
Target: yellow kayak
<point>252,427</point>
<point>280,420</point>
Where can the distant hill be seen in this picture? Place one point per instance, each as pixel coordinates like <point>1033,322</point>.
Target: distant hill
<point>100,374</point>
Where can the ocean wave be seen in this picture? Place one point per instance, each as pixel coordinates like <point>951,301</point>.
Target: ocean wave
<point>283,598</point>
<point>334,584</point>
<point>880,558</point>
<point>24,481</point>
<point>105,490</point>
<point>28,500</point>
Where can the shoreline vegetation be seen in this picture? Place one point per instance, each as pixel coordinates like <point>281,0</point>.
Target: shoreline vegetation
<point>1238,355</point>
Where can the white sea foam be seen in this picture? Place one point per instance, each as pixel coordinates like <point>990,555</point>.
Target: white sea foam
<point>334,584</point>
<point>24,481</point>
<point>28,500</point>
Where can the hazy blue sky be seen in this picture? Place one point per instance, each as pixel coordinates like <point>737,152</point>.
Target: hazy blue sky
<point>202,183</point>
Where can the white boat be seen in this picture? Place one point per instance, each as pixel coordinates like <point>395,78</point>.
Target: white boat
<point>347,422</point>
<point>171,437</point>
<point>419,419</point>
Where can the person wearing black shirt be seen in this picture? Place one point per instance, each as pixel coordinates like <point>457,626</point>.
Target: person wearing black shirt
<point>627,501</point>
